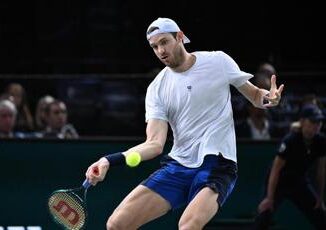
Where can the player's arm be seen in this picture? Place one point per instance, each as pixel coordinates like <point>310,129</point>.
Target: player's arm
<point>257,95</point>
<point>320,181</point>
<point>156,132</point>
<point>273,179</point>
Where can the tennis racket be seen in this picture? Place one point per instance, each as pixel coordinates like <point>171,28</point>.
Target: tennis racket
<point>68,207</point>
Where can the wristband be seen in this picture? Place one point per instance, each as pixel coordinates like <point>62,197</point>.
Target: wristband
<point>116,159</point>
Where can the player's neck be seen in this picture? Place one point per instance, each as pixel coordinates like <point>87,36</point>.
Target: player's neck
<point>187,63</point>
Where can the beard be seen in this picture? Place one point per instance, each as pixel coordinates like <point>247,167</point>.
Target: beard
<point>176,58</point>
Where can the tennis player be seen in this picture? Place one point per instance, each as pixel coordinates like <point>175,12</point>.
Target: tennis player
<point>192,95</point>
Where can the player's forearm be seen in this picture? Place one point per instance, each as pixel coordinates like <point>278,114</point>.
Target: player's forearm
<point>147,150</point>
<point>254,94</point>
<point>258,100</point>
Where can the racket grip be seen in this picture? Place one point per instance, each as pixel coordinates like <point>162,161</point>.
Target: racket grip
<point>86,184</point>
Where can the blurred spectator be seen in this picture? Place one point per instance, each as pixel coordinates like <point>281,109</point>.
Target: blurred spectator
<point>56,122</point>
<point>266,68</point>
<point>282,115</point>
<point>252,122</point>
<point>8,114</point>
<point>24,119</point>
<point>263,75</point>
<point>256,126</point>
<point>40,116</point>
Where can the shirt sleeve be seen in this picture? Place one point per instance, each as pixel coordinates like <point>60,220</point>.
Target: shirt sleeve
<point>153,103</point>
<point>232,71</point>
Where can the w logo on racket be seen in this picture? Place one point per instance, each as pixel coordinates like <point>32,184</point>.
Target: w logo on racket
<point>67,212</point>
<point>68,208</point>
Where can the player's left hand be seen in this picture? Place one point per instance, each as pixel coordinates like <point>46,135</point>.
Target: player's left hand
<point>274,95</point>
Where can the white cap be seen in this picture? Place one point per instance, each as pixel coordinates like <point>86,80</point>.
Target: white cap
<point>164,25</point>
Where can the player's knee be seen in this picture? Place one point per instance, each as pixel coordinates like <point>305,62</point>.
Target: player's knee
<point>189,223</point>
<point>114,223</point>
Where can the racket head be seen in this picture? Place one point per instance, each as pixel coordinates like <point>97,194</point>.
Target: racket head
<point>68,209</point>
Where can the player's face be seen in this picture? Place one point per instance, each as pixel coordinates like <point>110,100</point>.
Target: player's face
<point>310,128</point>
<point>168,49</point>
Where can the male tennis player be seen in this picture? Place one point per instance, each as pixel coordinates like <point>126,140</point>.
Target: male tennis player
<point>192,95</point>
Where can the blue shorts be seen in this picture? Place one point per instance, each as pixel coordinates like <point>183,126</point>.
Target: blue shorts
<point>179,184</point>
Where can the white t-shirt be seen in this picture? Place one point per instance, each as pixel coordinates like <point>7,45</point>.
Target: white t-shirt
<point>197,105</point>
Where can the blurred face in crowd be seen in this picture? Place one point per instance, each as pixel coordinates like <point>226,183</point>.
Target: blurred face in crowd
<point>40,114</point>
<point>7,119</point>
<point>57,116</point>
<point>310,127</point>
<point>17,93</point>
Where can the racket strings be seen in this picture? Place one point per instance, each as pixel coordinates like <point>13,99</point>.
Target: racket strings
<point>67,210</point>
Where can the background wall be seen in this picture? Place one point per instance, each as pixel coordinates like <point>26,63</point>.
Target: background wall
<point>71,36</point>
<point>31,170</point>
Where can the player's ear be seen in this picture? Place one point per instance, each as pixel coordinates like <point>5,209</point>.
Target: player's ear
<point>179,36</point>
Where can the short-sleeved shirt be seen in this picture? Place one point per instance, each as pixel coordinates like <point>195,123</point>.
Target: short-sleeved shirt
<point>300,156</point>
<point>197,105</point>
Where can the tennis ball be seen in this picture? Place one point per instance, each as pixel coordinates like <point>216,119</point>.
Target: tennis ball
<point>133,159</point>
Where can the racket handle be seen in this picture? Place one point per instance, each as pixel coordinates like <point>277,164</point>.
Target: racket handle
<point>86,184</point>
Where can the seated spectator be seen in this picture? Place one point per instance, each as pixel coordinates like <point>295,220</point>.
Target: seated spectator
<point>40,116</point>
<point>256,126</point>
<point>267,68</point>
<point>8,114</point>
<point>56,122</point>
<point>282,115</point>
<point>24,119</point>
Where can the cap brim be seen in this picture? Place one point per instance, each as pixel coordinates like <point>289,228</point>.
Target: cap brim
<point>185,39</point>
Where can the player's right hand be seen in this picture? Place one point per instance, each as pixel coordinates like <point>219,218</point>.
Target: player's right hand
<point>266,204</point>
<point>97,171</point>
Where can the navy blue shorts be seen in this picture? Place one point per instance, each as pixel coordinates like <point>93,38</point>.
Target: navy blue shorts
<point>179,184</point>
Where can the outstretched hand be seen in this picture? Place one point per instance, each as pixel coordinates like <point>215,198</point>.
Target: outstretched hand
<point>274,95</point>
<point>97,171</point>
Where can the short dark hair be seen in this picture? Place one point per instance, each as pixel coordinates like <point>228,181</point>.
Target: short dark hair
<point>153,28</point>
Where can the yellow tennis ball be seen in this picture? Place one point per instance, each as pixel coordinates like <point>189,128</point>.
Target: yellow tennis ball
<point>133,159</point>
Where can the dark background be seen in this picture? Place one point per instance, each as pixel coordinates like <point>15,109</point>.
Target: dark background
<point>73,36</point>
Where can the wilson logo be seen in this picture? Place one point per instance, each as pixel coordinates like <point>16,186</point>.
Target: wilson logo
<point>67,212</point>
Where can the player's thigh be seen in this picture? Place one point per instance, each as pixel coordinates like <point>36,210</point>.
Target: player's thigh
<point>139,207</point>
<point>201,209</point>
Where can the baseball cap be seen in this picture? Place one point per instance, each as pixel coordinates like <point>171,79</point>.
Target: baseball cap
<point>312,112</point>
<point>164,25</point>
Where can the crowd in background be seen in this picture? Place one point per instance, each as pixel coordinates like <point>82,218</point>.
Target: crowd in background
<point>120,110</point>
<point>50,119</point>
